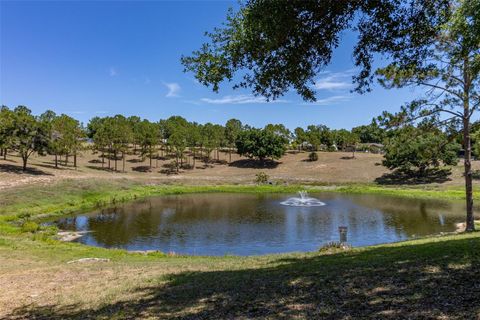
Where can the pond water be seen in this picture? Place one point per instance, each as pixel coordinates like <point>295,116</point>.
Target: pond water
<point>250,224</point>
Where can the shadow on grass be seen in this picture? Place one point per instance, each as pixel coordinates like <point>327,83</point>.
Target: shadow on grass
<point>142,169</point>
<point>255,164</point>
<point>410,178</point>
<point>10,168</point>
<point>52,166</point>
<point>135,160</point>
<point>423,281</point>
<point>105,168</point>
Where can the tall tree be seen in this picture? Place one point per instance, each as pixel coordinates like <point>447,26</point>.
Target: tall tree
<point>194,139</point>
<point>415,149</point>
<point>66,137</point>
<point>29,134</point>
<point>371,133</point>
<point>6,130</point>
<point>209,140</point>
<point>148,134</point>
<point>134,121</point>
<point>120,137</point>
<point>48,118</point>
<point>98,132</point>
<point>233,127</point>
<point>261,144</point>
<point>449,71</point>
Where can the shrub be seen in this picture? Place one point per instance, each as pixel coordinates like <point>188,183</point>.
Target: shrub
<point>476,174</point>
<point>313,156</point>
<point>261,178</point>
<point>334,246</point>
<point>30,226</point>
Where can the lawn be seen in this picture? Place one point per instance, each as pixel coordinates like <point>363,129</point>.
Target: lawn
<point>430,278</point>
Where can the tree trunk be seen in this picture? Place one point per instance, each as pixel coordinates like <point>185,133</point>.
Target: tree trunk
<point>123,158</point>
<point>193,167</point>
<point>56,161</point>
<point>115,159</point>
<point>103,159</point>
<point>24,158</point>
<point>150,156</point>
<point>470,223</point>
<point>66,160</point>
<point>176,162</point>
<point>75,159</point>
<point>5,154</point>
<point>230,155</point>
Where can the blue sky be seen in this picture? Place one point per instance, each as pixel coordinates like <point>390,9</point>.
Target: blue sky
<point>96,58</point>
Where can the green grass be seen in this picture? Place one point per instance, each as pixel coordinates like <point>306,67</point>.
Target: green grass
<point>420,193</point>
<point>428,278</point>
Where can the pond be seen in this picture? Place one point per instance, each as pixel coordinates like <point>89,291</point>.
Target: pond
<point>251,224</point>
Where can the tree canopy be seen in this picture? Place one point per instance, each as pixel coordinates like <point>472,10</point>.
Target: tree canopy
<point>275,46</point>
<point>261,144</point>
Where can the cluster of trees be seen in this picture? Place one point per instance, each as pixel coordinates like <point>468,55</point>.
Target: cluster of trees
<point>412,148</point>
<point>48,133</point>
<point>114,137</point>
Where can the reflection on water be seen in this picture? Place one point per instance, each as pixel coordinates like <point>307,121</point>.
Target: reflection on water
<point>246,224</point>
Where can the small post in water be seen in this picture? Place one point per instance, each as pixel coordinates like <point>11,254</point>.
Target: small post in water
<point>343,234</point>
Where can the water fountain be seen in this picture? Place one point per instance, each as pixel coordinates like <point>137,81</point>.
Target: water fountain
<point>303,201</point>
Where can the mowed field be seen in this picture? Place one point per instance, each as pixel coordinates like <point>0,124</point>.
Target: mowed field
<point>294,167</point>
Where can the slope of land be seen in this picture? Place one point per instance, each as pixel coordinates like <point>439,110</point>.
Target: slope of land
<point>331,168</point>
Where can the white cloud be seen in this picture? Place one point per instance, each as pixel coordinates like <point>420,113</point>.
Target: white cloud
<point>113,72</point>
<point>173,89</point>
<point>335,80</point>
<point>329,100</point>
<point>240,99</point>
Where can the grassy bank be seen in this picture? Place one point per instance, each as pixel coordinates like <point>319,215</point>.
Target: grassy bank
<point>429,279</point>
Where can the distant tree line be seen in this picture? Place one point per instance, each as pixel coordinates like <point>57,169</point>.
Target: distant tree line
<point>408,148</point>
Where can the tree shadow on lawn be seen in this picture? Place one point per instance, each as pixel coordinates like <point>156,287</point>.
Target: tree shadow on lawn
<point>254,164</point>
<point>434,175</point>
<point>142,168</point>
<point>10,168</point>
<point>135,160</point>
<point>424,281</point>
<point>105,168</point>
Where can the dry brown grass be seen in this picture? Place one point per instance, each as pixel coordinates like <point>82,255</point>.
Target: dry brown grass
<point>331,168</point>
